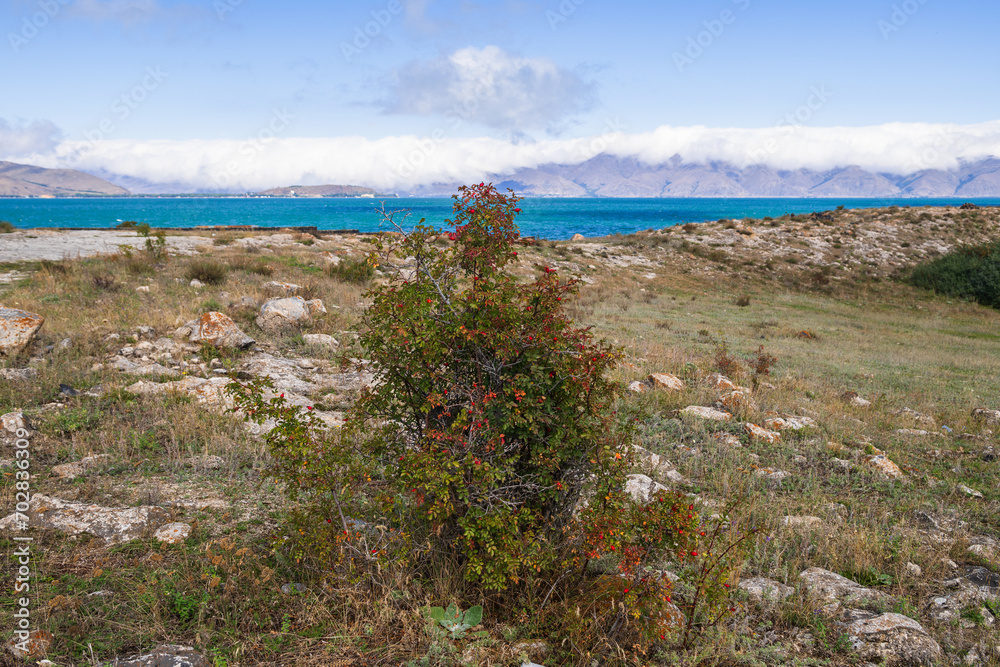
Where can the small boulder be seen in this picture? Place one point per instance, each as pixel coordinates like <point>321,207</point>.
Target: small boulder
<point>17,329</point>
<point>637,387</point>
<point>991,417</point>
<point>642,489</point>
<point>73,470</point>
<point>32,647</point>
<point>279,288</point>
<point>113,525</point>
<point>706,413</point>
<point>790,423</point>
<point>763,590</point>
<point>278,314</point>
<point>894,640</point>
<point>217,329</point>
<point>762,434</point>
<point>883,466</point>
<point>196,283</point>
<point>173,533</point>
<point>578,237</point>
<point>666,381</point>
<point>834,590</point>
<point>321,340</point>
<point>720,382</point>
<point>316,307</point>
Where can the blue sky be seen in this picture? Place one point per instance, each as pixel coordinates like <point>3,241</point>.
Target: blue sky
<point>106,85</point>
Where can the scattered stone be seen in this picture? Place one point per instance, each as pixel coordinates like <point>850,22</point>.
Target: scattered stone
<point>765,590</point>
<point>196,283</point>
<point>720,382</point>
<point>915,432</point>
<point>316,307</point>
<point>165,655</point>
<point>18,373</point>
<point>216,329</point>
<point>637,387</point>
<point>278,314</point>
<point>642,489</point>
<point>279,288</point>
<point>883,466</point>
<point>142,288</point>
<point>991,417</point>
<point>210,462</point>
<point>321,340</point>
<point>802,522</point>
<point>969,491</point>
<point>293,588</point>
<point>17,329</point>
<point>73,470</point>
<point>915,416</point>
<point>727,439</point>
<point>852,398</point>
<point>914,570</point>
<point>706,413</point>
<point>173,533</point>
<point>738,399</point>
<point>125,366</point>
<point>833,590</point>
<point>113,525</point>
<point>666,381</point>
<point>790,423</point>
<point>761,434</point>
<point>840,464</point>
<point>578,237</point>
<point>771,474</point>
<point>32,647</point>
<point>894,640</point>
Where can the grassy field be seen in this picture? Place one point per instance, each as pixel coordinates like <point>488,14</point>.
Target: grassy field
<point>689,302</point>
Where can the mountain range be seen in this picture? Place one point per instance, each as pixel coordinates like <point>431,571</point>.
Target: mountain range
<point>601,176</point>
<point>610,176</point>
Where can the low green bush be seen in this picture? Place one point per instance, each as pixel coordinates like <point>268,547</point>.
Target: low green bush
<point>971,272</point>
<point>349,270</point>
<point>6,227</point>
<point>207,271</point>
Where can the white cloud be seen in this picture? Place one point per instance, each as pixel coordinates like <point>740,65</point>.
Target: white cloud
<point>401,162</point>
<point>491,87</point>
<point>39,136</point>
<point>126,11</point>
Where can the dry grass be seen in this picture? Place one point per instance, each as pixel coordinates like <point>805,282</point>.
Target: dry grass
<point>671,311</point>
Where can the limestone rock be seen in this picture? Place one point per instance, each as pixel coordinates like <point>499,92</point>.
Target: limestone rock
<point>173,533</point>
<point>802,522</point>
<point>765,590</point>
<point>18,373</point>
<point>73,470</point>
<point>771,474</point>
<point>17,329</point>
<point>33,647</point>
<point>278,314</point>
<point>883,466</point>
<point>165,655</point>
<point>833,590</point>
<point>666,381</point>
<point>762,434</point>
<point>10,424</point>
<point>915,416</point>
<point>969,491</point>
<point>720,382</point>
<point>316,307</point>
<point>790,423</point>
<point>321,340</point>
<point>895,640</point>
<point>279,288</point>
<point>216,329</point>
<point>916,432</point>
<point>122,364</point>
<point>637,387</point>
<point>738,399</point>
<point>113,525</point>
<point>706,413</point>
<point>641,488</point>
<point>852,398</point>
<point>991,417</point>
<point>578,237</point>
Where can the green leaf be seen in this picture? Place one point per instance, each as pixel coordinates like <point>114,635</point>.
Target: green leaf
<point>437,613</point>
<point>474,616</point>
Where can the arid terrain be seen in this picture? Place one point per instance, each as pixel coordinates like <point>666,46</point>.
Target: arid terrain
<point>783,362</point>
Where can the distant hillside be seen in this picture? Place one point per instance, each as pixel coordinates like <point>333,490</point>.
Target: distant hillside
<point>611,176</point>
<point>22,180</point>
<point>321,191</point>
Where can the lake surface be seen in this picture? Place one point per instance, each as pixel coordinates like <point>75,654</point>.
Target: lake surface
<point>549,218</point>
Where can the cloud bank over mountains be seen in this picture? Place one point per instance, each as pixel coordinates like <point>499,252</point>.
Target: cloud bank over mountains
<point>410,163</point>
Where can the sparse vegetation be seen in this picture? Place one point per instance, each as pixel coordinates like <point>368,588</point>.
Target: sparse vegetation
<point>969,272</point>
<point>208,271</point>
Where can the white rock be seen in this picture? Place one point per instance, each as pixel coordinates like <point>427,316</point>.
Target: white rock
<point>196,283</point>
<point>286,289</point>
<point>637,387</point>
<point>113,525</point>
<point>666,381</point>
<point>765,590</point>
<point>217,329</point>
<point>282,313</point>
<point>641,488</point>
<point>17,329</point>
<point>802,521</point>
<point>173,533</point>
<point>914,570</point>
<point>706,413</point>
<point>321,340</point>
<point>142,288</point>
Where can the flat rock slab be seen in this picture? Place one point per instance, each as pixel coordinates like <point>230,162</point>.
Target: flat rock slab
<point>701,412</point>
<point>17,329</point>
<point>73,470</point>
<point>35,244</point>
<point>894,640</point>
<point>834,590</point>
<point>165,655</point>
<point>666,381</point>
<point>173,533</point>
<point>217,329</point>
<point>278,314</point>
<point>642,489</point>
<point>113,525</point>
<point>765,590</point>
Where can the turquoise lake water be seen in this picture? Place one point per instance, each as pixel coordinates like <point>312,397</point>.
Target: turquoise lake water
<point>549,218</point>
